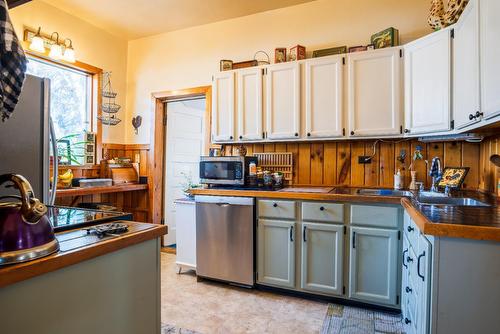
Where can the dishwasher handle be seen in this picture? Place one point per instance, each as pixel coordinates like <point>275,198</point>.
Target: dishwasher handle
<point>223,205</point>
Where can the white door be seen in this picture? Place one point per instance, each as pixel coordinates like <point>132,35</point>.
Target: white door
<point>223,108</point>
<point>373,263</point>
<point>324,80</point>
<point>490,54</point>
<point>374,92</point>
<point>183,146</point>
<point>322,257</point>
<point>428,83</point>
<point>283,101</point>
<point>466,108</point>
<point>250,104</point>
<point>276,252</point>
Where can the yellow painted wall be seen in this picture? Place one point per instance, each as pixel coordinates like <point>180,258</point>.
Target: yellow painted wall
<point>92,45</point>
<point>188,58</point>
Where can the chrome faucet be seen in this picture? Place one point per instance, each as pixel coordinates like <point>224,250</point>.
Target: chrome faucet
<point>436,173</point>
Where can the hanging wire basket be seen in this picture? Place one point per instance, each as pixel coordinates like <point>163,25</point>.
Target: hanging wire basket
<point>109,120</point>
<point>110,108</point>
<point>109,94</point>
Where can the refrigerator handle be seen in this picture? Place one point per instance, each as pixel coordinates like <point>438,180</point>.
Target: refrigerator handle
<point>52,199</point>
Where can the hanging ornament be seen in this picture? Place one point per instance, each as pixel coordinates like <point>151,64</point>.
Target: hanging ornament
<point>136,123</point>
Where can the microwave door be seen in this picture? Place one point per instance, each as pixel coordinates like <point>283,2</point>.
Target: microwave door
<point>221,172</point>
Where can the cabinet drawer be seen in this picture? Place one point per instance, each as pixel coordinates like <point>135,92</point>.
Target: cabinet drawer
<point>375,215</point>
<point>323,212</point>
<point>276,209</point>
<point>411,231</point>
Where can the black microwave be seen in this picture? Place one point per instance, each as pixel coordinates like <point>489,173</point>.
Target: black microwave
<point>225,170</point>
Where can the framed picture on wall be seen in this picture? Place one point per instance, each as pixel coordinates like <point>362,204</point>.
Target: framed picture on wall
<point>280,55</point>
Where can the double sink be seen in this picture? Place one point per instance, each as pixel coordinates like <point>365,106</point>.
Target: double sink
<point>426,197</point>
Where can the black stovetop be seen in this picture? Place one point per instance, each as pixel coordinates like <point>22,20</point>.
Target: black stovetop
<point>67,218</point>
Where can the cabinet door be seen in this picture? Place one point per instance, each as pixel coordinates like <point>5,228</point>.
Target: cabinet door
<point>373,275</point>
<point>223,107</point>
<point>427,83</point>
<point>250,104</point>
<point>404,278</point>
<point>423,287</point>
<point>283,101</point>
<point>324,80</point>
<point>322,256</point>
<point>276,253</point>
<point>466,109</point>
<point>374,92</point>
<point>490,54</point>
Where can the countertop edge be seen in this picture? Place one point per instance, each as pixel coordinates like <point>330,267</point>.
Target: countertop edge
<point>23,271</point>
<point>298,195</point>
<point>449,230</point>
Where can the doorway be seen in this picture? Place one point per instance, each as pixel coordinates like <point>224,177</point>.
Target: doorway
<point>184,144</point>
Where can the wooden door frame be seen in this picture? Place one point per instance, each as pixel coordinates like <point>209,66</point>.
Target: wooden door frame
<point>157,140</point>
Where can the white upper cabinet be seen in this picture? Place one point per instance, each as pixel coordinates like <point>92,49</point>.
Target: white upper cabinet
<point>223,107</point>
<point>466,108</point>
<point>374,92</point>
<point>428,83</point>
<point>323,93</point>
<point>283,101</point>
<point>489,11</point>
<point>250,104</point>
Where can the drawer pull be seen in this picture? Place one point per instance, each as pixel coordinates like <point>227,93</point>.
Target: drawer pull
<point>410,229</point>
<point>418,266</point>
<point>404,264</point>
<point>407,321</point>
<point>409,259</point>
<point>408,289</point>
<point>322,208</point>
<point>291,233</point>
<point>304,234</point>
<point>275,205</point>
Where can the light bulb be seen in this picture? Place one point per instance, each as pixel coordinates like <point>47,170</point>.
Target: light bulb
<point>55,51</point>
<point>37,43</point>
<point>69,55</point>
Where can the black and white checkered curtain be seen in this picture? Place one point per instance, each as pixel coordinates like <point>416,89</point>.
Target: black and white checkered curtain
<point>12,64</point>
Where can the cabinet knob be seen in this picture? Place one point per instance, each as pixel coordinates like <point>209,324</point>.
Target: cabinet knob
<point>231,137</point>
<point>407,321</point>
<point>322,208</point>
<point>410,229</point>
<point>407,131</point>
<point>479,114</point>
<point>409,259</point>
<point>308,134</point>
<point>471,117</point>
<point>275,205</point>
<point>296,134</point>
<point>408,289</point>
<point>352,133</point>
<point>241,137</point>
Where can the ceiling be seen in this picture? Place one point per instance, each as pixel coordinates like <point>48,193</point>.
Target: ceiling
<point>131,19</point>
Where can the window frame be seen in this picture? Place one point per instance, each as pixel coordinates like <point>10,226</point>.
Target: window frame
<point>95,81</point>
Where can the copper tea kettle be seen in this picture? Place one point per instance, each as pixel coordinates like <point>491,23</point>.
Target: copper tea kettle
<point>25,230</point>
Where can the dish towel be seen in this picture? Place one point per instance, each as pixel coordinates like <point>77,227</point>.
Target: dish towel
<point>12,64</point>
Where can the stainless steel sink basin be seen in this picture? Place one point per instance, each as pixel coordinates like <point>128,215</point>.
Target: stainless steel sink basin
<point>453,201</point>
<point>384,192</point>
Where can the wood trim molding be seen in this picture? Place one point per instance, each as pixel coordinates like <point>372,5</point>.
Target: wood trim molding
<point>14,3</point>
<point>157,153</point>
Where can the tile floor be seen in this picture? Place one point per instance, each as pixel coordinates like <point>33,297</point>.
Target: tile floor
<point>207,307</point>
<point>191,307</point>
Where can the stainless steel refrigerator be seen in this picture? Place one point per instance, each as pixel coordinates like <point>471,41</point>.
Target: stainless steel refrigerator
<point>25,139</point>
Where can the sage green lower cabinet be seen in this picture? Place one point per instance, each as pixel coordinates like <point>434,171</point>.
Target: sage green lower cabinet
<point>322,258</point>
<point>373,271</point>
<point>276,252</point>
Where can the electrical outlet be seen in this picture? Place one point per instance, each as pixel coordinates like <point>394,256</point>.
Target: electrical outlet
<point>364,159</point>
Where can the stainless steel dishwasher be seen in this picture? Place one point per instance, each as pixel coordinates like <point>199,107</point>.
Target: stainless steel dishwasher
<point>225,238</point>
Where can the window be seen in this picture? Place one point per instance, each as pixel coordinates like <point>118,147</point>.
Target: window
<point>70,106</point>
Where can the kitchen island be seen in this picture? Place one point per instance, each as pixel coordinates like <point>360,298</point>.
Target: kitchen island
<point>92,285</point>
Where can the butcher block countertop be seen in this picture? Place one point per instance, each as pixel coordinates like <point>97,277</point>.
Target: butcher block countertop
<point>76,246</point>
<point>340,194</point>
<point>481,223</point>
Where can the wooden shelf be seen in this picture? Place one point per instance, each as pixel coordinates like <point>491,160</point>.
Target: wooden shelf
<point>100,190</point>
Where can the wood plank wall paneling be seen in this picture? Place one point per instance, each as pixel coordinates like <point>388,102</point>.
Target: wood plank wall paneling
<point>489,173</point>
<point>320,163</point>
<point>135,202</point>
